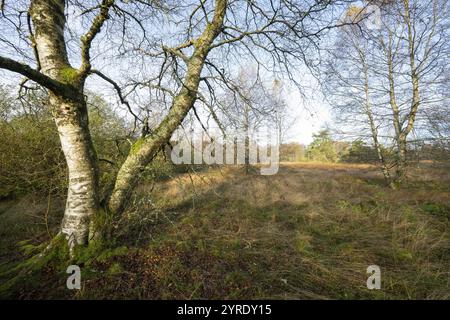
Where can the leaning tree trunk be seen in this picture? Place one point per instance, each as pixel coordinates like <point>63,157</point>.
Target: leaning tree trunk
<point>143,151</point>
<point>71,118</point>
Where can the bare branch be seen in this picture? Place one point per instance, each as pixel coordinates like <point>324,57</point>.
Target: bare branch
<point>36,76</point>
<point>87,39</point>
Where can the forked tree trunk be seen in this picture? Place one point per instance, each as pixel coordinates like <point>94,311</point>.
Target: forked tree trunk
<point>400,132</point>
<point>401,164</point>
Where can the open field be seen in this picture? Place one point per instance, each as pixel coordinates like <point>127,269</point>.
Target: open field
<point>308,232</point>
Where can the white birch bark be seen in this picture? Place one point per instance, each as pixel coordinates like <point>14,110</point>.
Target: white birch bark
<point>145,149</point>
<point>71,118</point>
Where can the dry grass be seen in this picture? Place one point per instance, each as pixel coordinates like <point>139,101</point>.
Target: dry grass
<point>308,232</point>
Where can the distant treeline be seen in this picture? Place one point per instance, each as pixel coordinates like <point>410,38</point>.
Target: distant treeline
<point>325,149</point>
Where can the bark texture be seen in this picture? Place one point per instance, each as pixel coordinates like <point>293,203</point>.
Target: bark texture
<point>82,194</point>
<point>71,118</point>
